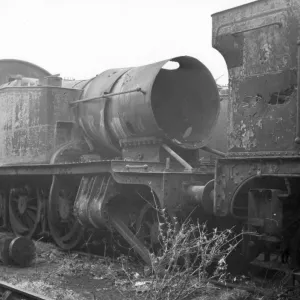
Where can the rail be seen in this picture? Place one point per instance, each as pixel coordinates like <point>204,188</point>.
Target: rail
<point>8,291</point>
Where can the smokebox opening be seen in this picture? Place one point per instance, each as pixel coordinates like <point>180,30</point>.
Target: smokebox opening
<point>185,102</point>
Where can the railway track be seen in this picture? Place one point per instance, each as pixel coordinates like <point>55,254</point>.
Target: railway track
<point>10,292</point>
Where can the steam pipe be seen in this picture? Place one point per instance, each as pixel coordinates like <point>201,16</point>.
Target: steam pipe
<point>185,164</point>
<point>213,151</point>
<point>297,139</point>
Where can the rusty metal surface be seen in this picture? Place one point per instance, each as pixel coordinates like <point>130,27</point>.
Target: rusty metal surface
<point>188,95</point>
<point>22,251</point>
<point>93,194</point>
<point>29,122</point>
<point>259,44</point>
<point>92,115</point>
<point>16,250</point>
<point>13,67</point>
<point>233,174</point>
<point>170,188</point>
<point>203,194</point>
<point>265,210</point>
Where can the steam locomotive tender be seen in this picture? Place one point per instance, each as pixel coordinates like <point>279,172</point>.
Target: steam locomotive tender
<point>105,152</point>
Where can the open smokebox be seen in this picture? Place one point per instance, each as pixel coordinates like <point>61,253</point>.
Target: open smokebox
<point>185,102</point>
<point>177,105</point>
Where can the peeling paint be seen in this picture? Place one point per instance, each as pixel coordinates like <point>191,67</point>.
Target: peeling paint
<point>259,43</point>
<point>118,128</point>
<point>242,137</point>
<point>259,123</point>
<point>263,80</point>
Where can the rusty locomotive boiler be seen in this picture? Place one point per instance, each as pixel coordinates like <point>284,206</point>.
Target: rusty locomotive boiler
<point>257,183</point>
<point>103,152</point>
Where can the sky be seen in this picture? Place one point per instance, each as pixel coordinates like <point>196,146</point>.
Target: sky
<point>82,38</point>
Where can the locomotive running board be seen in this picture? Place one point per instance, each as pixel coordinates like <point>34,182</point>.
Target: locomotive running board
<point>96,167</point>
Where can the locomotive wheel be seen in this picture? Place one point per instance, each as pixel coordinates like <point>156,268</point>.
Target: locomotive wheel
<point>64,227</point>
<point>148,231</point>
<point>25,207</point>
<point>147,227</point>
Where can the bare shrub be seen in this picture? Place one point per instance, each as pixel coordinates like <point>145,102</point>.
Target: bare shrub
<point>190,255</point>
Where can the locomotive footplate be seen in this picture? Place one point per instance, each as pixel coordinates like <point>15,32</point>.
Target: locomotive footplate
<point>102,166</point>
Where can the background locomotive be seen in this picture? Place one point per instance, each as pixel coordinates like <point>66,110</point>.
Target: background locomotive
<point>103,152</point>
<point>258,182</point>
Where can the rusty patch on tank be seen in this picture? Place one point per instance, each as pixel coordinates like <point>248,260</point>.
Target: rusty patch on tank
<point>242,137</point>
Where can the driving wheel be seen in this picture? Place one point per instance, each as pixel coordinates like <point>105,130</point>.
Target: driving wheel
<point>64,227</point>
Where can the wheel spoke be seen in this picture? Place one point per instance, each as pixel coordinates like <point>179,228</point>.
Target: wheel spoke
<point>28,221</point>
<point>24,218</point>
<point>31,199</point>
<point>34,208</point>
<point>31,215</point>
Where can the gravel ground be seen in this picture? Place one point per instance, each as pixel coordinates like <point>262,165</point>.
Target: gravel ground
<point>59,275</point>
<point>73,276</point>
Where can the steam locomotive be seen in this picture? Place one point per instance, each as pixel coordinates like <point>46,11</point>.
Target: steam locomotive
<point>104,152</point>
<point>257,183</point>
